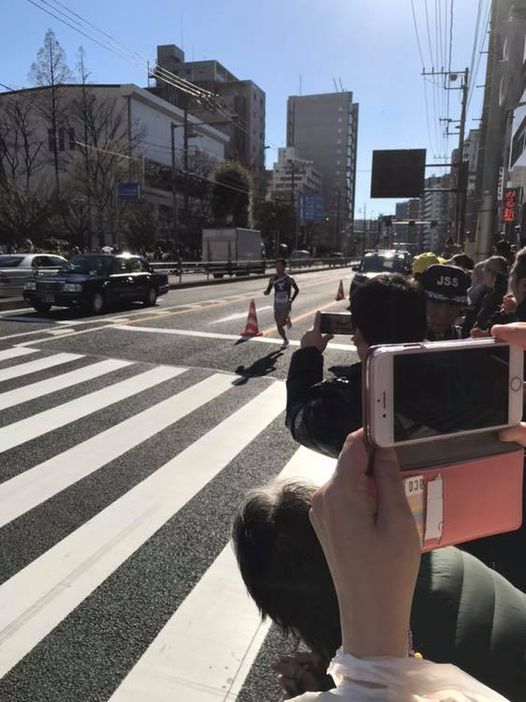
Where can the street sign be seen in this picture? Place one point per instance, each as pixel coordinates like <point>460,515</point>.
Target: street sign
<point>398,173</point>
<point>310,208</point>
<point>128,192</point>
<point>510,201</point>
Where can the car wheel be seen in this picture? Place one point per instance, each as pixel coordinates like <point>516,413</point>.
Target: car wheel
<point>96,303</point>
<point>151,297</point>
<point>41,307</point>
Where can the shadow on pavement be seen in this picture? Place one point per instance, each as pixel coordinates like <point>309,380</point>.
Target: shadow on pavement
<point>263,366</point>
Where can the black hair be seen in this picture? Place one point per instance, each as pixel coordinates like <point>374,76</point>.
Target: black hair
<point>281,260</point>
<point>389,309</point>
<point>463,261</point>
<point>283,566</point>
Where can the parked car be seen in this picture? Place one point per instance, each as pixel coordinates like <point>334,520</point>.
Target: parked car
<point>17,269</point>
<point>94,281</point>
<point>377,262</point>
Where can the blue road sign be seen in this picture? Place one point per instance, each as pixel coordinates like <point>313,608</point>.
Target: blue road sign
<point>128,192</point>
<point>310,208</point>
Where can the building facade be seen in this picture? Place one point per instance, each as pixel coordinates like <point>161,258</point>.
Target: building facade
<point>243,119</point>
<point>408,227</point>
<point>324,129</point>
<point>293,176</point>
<point>437,205</point>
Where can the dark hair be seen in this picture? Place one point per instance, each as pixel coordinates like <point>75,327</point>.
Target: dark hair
<point>518,270</point>
<point>283,566</point>
<point>281,260</point>
<point>463,261</point>
<point>389,309</point>
<point>503,248</point>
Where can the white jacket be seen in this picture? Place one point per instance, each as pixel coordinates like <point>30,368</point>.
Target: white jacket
<point>399,680</point>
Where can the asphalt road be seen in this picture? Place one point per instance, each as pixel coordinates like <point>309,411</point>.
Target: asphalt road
<point>127,442</point>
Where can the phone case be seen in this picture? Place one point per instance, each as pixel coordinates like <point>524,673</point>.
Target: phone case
<point>464,488</point>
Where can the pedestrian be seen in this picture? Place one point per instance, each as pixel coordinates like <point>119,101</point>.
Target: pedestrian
<point>422,262</point>
<point>446,290</point>
<point>496,286</point>
<point>320,413</point>
<point>514,303</point>
<point>283,285</point>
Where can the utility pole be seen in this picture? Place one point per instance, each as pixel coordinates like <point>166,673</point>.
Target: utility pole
<point>174,193</point>
<point>185,161</point>
<point>461,180</point>
<point>338,198</point>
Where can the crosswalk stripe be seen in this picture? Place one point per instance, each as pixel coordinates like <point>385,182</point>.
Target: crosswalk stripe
<point>42,594</point>
<point>15,352</point>
<point>34,486</point>
<point>206,649</point>
<point>59,382</point>
<point>38,365</point>
<point>24,430</point>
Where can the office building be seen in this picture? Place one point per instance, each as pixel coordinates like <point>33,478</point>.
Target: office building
<point>324,129</point>
<point>293,176</point>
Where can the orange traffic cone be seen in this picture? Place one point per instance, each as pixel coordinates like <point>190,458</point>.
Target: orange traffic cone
<point>340,294</point>
<point>251,327</point>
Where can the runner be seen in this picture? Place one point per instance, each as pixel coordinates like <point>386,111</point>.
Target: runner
<point>283,285</point>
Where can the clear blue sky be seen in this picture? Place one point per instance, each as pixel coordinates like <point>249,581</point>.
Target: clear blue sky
<point>369,44</point>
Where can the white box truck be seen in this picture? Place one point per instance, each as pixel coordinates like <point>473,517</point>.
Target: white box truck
<point>233,251</point>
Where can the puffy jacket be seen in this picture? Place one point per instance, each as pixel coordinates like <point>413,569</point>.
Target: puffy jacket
<point>321,413</point>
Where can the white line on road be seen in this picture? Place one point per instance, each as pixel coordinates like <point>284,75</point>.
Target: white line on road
<point>239,315</point>
<point>215,335</point>
<point>15,352</point>
<point>38,365</point>
<point>24,430</point>
<point>34,486</point>
<point>206,649</point>
<point>35,600</point>
<point>59,382</point>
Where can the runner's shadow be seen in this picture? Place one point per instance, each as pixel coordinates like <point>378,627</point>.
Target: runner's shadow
<point>263,366</point>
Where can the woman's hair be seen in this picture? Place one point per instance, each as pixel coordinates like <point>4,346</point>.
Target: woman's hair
<point>518,271</point>
<point>283,566</point>
<point>496,265</point>
<point>463,261</point>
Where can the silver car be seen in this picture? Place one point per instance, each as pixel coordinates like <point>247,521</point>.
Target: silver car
<point>17,269</point>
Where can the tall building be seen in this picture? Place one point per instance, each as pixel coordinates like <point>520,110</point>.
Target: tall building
<point>406,213</point>
<point>437,212</point>
<point>293,176</point>
<point>324,129</point>
<point>243,99</point>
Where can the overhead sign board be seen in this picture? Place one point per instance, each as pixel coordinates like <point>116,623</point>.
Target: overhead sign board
<point>128,192</point>
<point>310,208</point>
<point>510,201</point>
<point>398,173</point>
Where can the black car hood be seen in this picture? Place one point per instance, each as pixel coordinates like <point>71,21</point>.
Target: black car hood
<point>65,278</point>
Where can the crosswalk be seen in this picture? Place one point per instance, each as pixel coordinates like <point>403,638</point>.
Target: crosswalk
<point>118,482</point>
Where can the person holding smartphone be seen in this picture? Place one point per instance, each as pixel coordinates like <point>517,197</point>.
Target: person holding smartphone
<point>283,285</point>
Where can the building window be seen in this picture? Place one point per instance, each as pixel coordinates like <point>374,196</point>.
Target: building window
<point>51,140</point>
<point>72,142</point>
<point>61,139</point>
<point>518,142</point>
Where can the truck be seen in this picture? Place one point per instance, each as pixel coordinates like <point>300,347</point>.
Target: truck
<point>233,251</point>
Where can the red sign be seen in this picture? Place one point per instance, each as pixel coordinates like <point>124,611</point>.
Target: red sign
<point>509,205</point>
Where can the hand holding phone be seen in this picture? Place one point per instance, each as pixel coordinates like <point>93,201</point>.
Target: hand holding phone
<point>336,323</point>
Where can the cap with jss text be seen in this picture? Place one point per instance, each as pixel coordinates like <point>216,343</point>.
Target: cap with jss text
<point>445,283</point>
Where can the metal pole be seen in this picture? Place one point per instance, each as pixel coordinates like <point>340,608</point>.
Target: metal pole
<point>293,204</point>
<point>460,209</point>
<point>174,193</point>
<point>185,161</point>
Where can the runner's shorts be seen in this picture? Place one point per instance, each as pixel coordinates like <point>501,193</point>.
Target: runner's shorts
<point>281,314</point>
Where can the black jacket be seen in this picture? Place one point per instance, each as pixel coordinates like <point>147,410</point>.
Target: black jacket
<point>321,413</point>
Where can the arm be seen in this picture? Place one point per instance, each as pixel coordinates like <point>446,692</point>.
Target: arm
<point>269,286</point>
<point>294,285</point>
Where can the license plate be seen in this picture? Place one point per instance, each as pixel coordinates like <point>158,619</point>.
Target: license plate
<point>50,299</point>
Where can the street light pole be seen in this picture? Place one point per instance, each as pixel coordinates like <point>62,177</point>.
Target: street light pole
<point>185,161</point>
<point>174,193</point>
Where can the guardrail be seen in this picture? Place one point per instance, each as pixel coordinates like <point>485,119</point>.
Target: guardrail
<point>244,268</point>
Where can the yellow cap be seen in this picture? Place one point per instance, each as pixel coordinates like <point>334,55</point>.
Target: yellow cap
<point>423,261</point>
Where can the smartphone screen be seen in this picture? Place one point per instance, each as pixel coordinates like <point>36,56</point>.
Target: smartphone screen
<point>336,323</point>
<point>446,392</point>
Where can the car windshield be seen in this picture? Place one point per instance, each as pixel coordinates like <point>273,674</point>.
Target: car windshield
<point>381,264</point>
<point>88,265</point>
<point>10,261</point>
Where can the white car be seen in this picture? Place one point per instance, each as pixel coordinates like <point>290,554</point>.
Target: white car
<point>16,269</point>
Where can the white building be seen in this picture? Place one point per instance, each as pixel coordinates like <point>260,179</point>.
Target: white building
<point>293,176</point>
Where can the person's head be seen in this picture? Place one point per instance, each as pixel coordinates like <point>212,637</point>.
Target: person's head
<point>518,276</point>
<point>495,266</point>
<point>446,289</point>
<point>422,262</point>
<point>281,265</point>
<point>503,248</point>
<point>462,261</point>
<point>387,309</point>
<point>283,566</point>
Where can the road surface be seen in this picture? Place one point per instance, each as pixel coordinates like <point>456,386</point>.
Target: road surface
<point>127,442</point>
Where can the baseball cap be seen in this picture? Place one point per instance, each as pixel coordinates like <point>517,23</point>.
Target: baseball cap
<point>423,261</point>
<point>445,283</point>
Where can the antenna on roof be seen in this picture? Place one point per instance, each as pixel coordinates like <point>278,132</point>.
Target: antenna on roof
<point>335,84</point>
<point>341,85</point>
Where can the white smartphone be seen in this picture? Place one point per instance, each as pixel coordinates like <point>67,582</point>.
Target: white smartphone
<point>432,390</point>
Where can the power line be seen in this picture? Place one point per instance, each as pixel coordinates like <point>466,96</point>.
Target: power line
<point>474,75</point>
<point>429,35</point>
<point>419,45</point>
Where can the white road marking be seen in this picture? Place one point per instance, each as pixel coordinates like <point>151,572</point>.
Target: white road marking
<point>38,365</point>
<point>59,382</point>
<point>205,650</point>
<point>15,352</point>
<point>34,486</point>
<point>239,315</point>
<point>215,335</point>
<point>24,430</point>
<point>35,600</point>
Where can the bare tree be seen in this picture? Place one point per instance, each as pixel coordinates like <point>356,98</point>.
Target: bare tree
<point>51,71</point>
